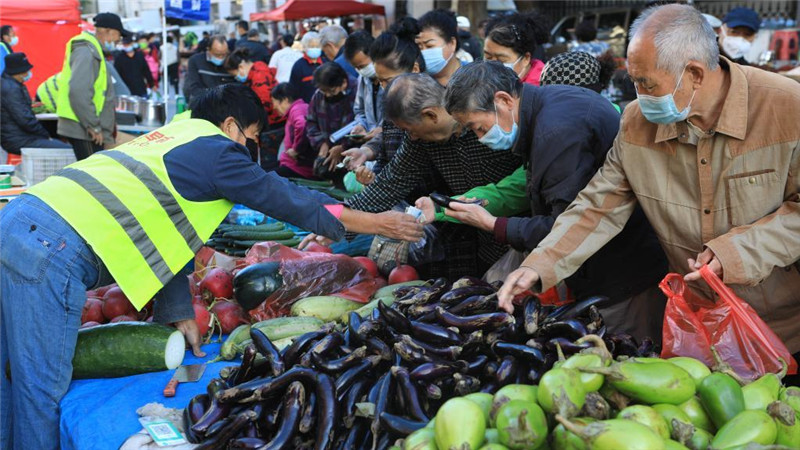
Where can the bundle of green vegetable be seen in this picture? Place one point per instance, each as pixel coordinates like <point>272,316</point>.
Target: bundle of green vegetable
<point>235,240</point>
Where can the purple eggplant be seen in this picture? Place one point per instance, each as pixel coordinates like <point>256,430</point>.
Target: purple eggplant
<point>292,353</point>
<point>476,322</point>
<point>351,397</point>
<point>456,296</point>
<point>400,426</point>
<point>466,384</point>
<point>383,392</point>
<point>434,334</point>
<point>394,318</point>
<point>378,347</point>
<point>433,391</point>
<point>476,365</point>
<point>531,312</point>
<point>409,393</point>
<point>216,410</point>
<point>522,352</point>
<point>350,376</point>
<point>328,344</point>
<point>432,371</point>
<point>477,304</point>
<point>507,372</point>
<point>567,346</point>
<point>247,443</point>
<point>265,346</point>
<point>291,413</point>
<point>339,364</point>
<point>572,329</point>
<point>450,353</point>
<point>307,420</point>
<point>468,282</point>
<point>228,432</point>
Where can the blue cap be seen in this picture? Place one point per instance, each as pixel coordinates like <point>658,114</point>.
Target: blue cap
<point>742,17</point>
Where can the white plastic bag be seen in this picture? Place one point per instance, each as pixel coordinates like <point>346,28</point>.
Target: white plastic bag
<point>505,265</point>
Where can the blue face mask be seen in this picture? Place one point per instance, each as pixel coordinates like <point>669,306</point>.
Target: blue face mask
<point>314,53</point>
<point>14,41</point>
<point>215,61</point>
<point>662,110</point>
<point>109,46</point>
<point>434,60</point>
<point>497,138</point>
<point>241,78</point>
<point>28,76</point>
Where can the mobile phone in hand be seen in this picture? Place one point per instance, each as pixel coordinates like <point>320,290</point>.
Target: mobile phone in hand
<point>445,201</point>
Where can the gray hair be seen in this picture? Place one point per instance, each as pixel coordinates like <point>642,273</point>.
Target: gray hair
<point>308,37</point>
<point>333,34</point>
<point>680,34</point>
<point>408,94</point>
<point>473,86</point>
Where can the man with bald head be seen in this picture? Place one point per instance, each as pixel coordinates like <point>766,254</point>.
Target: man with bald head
<point>711,152</point>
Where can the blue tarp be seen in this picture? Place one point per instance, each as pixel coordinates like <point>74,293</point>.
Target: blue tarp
<point>100,414</point>
<point>188,9</point>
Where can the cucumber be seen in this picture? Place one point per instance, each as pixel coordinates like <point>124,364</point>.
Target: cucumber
<point>286,242</point>
<point>257,235</point>
<point>326,308</point>
<point>277,226</point>
<point>366,310</point>
<point>126,348</point>
<point>388,291</point>
<point>228,351</point>
<point>286,327</point>
<point>307,183</point>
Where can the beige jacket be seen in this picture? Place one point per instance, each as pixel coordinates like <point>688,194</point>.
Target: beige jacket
<point>735,191</point>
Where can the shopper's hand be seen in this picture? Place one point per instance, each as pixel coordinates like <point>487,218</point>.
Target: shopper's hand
<point>472,214</point>
<point>358,129</point>
<point>192,334</point>
<point>97,138</point>
<point>375,131</point>
<point>425,204</point>
<point>322,240</point>
<point>292,153</point>
<point>358,156</point>
<point>364,175</point>
<point>516,283</point>
<point>399,225</point>
<point>334,157</point>
<point>323,150</point>
<point>708,257</point>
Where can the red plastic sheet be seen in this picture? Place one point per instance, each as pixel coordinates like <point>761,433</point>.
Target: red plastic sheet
<point>692,324</point>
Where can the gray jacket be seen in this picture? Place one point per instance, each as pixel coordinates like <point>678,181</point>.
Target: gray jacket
<point>85,67</point>
<point>368,106</point>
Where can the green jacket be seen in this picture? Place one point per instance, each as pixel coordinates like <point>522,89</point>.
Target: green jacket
<point>505,198</point>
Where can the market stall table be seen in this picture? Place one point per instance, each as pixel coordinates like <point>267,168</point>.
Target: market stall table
<point>100,414</point>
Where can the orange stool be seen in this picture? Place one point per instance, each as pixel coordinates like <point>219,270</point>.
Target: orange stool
<point>14,159</point>
<point>785,44</point>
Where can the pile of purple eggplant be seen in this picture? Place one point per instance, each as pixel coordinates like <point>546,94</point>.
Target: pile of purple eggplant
<point>384,376</point>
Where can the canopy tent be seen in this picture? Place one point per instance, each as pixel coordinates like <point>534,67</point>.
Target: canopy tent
<point>44,28</point>
<point>303,9</point>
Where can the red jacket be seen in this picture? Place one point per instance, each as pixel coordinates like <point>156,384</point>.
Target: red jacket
<point>261,80</point>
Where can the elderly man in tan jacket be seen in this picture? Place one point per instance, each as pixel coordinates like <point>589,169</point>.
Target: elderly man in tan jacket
<point>711,151</point>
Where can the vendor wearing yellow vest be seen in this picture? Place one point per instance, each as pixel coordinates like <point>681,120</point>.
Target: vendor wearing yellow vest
<point>137,213</point>
<point>47,93</point>
<point>85,100</point>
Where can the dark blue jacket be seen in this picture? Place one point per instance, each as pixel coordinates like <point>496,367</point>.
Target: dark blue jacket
<point>302,77</point>
<point>257,50</point>
<point>18,125</point>
<point>565,133</point>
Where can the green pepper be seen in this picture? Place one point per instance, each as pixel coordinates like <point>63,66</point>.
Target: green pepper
<point>646,416</point>
<point>745,427</point>
<point>697,415</point>
<point>787,422</point>
<point>670,413</point>
<point>722,398</point>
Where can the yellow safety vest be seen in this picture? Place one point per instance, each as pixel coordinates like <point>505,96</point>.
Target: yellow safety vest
<point>123,204</point>
<point>64,108</point>
<point>48,93</point>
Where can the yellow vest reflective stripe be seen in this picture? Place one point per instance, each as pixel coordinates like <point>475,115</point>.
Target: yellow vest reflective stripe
<point>63,105</point>
<point>124,205</point>
<point>48,93</point>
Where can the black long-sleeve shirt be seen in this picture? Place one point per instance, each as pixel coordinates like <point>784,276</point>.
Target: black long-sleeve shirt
<point>134,72</point>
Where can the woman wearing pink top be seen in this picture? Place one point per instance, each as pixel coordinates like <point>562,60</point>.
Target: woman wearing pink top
<point>297,159</point>
<point>514,40</point>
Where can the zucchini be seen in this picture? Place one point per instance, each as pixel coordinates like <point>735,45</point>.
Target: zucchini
<point>126,348</point>
<point>277,226</point>
<point>258,235</point>
<point>286,327</point>
<point>228,349</point>
<point>325,308</point>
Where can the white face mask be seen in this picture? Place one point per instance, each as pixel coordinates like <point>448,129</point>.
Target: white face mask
<point>735,46</point>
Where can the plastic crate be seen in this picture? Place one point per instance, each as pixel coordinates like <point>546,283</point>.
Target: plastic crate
<point>40,163</point>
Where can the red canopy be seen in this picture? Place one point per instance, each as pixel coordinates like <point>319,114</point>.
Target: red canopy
<point>303,9</point>
<point>46,11</point>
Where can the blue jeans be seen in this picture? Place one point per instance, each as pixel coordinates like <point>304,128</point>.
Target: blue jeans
<point>46,268</point>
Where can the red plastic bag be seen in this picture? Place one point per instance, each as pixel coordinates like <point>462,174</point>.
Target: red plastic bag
<point>692,324</point>
<point>307,274</point>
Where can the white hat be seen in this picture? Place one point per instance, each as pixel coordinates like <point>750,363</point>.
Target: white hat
<point>713,21</point>
<point>463,22</point>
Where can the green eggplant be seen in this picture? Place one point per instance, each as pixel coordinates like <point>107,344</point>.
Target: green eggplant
<point>483,400</point>
<point>670,413</point>
<point>615,434</point>
<point>460,425</point>
<point>669,444</point>
<point>422,439</point>
<point>521,425</point>
<point>699,440</point>
<point>646,416</point>
<point>757,396</point>
<point>722,398</point>
<point>591,381</point>
<point>649,382</point>
<point>746,427</point>
<point>561,392</point>
<point>511,392</point>
<point>614,397</point>
<point>431,424</point>
<point>697,415</point>
<point>491,436</point>
<point>787,422</point>
<point>791,396</point>
<point>566,440</point>
<point>494,447</point>
<point>696,368</point>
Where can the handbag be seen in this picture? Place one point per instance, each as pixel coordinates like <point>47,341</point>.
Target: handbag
<point>388,253</point>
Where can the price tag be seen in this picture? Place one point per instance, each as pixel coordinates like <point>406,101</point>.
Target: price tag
<point>163,432</point>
